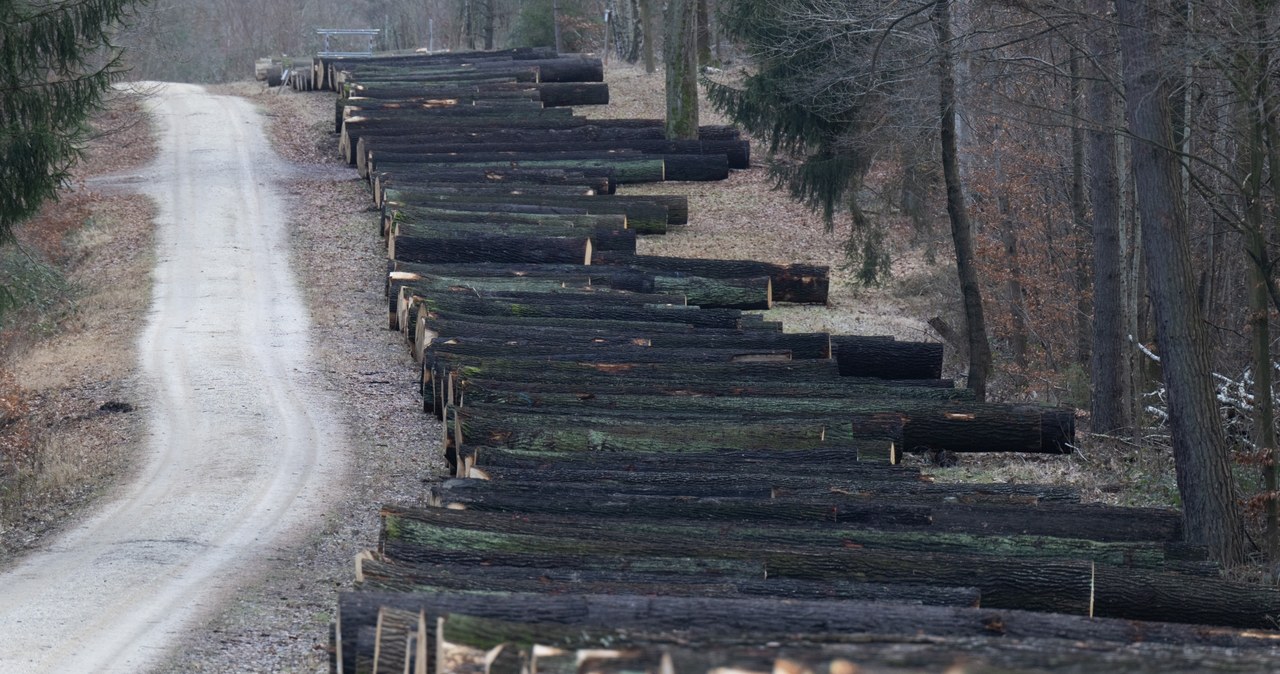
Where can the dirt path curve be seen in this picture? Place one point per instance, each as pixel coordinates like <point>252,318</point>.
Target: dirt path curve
<point>241,458</point>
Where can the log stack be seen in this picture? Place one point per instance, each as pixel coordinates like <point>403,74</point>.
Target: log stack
<point>648,474</point>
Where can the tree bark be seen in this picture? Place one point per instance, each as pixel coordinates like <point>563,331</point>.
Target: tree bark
<point>887,359</point>
<point>650,34</point>
<point>1109,410</point>
<point>888,483</point>
<point>1205,481</point>
<point>681,57</point>
<point>1079,214</point>
<point>961,229</point>
<point>703,33</point>
<point>356,609</point>
<point>576,533</point>
<point>828,461</point>
<point>377,573</point>
<point>800,283</point>
<point>555,25</point>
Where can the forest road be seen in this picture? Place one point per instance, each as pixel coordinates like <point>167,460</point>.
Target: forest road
<point>242,456</point>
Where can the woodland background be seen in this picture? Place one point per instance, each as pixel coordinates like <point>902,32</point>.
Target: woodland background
<point>847,94</point>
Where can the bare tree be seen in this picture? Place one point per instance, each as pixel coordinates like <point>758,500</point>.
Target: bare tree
<point>961,231</point>
<point>1204,474</point>
<point>1108,410</point>
<point>681,57</point>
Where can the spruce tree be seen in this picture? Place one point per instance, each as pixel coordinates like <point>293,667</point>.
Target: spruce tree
<point>826,93</point>
<point>56,62</point>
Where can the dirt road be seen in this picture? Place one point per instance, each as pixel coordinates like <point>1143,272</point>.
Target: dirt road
<point>243,454</point>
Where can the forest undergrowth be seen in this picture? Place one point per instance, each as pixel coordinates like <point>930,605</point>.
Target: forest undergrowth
<point>78,287</point>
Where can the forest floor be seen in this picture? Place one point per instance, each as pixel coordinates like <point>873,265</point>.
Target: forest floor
<point>81,272</point>
<point>280,622</point>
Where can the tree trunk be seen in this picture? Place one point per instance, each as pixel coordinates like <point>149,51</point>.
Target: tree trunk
<point>555,25</point>
<point>1108,366</point>
<point>961,229</point>
<point>650,34</point>
<point>1205,482</point>
<point>704,33</point>
<point>377,573</point>
<point>681,57</point>
<point>1079,216</point>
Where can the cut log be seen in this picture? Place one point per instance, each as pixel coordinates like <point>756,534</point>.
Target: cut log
<point>891,485</point>
<point>439,352</point>
<point>421,216</point>
<point>647,215</point>
<point>518,429</point>
<point>558,69</point>
<point>558,649</point>
<point>555,94</point>
<point>586,132</point>
<point>737,152</point>
<point>477,247</point>
<point>802,345</point>
<point>416,300</point>
<point>479,532</point>
<point>507,176</point>
<point>378,574</point>
<point>395,630</point>
<point>835,461</point>
<point>695,316</point>
<point>414,242</point>
<point>356,609</point>
<point>1057,520</point>
<point>621,171</point>
<point>806,284</point>
<point>984,427</point>
<point>887,359</point>
<point>478,390</point>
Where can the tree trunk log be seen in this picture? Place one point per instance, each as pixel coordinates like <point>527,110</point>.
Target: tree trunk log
<point>887,359</point>
<point>799,283</point>
<point>378,574</point>
<point>356,609</point>
<point>628,537</point>
<point>493,248</point>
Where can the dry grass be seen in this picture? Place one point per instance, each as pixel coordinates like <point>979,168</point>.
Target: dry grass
<point>70,351</point>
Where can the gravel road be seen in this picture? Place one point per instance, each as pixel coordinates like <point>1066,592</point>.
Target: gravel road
<point>243,455</point>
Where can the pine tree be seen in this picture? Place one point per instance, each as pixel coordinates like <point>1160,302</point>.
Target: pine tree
<point>56,62</point>
<point>820,94</point>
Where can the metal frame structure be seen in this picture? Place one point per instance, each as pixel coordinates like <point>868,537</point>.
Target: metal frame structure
<point>326,33</point>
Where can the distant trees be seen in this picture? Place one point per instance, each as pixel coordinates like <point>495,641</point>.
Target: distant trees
<point>837,84</point>
<point>1095,233</point>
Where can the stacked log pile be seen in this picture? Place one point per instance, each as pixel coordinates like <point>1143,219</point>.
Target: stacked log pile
<point>648,476</point>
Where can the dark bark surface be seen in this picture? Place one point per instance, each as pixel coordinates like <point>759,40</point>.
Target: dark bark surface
<point>1203,465</point>
<point>961,229</point>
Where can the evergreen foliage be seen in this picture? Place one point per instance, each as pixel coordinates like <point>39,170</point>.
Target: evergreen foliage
<point>534,25</point>
<point>823,94</point>
<point>56,62</point>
